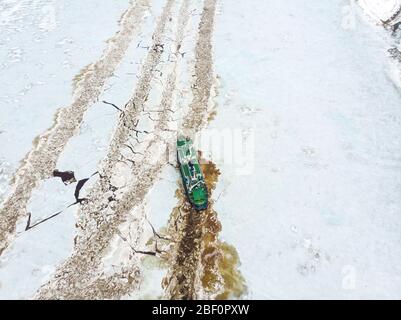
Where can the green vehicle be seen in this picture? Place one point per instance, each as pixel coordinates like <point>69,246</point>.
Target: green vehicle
<point>191,173</point>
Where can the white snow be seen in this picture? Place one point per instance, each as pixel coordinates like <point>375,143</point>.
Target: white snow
<point>37,252</point>
<point>311,203</point>
<point>43,45</point>
<point>380,10</point>
<point>34,255</point>
<point>162,198</point>
<point>320,215</point>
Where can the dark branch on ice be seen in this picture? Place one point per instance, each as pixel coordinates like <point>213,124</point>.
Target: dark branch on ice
<point>112,104</point>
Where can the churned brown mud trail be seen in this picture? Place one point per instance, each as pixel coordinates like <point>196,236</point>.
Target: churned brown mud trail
<point>138,159</point>
<point>41,160</point>
<point>201,266</point>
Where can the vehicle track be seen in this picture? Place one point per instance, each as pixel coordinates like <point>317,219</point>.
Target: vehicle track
<point>108,207</point>
<point>82,275</point>
<point>137,154</point>
<point>41,160</point>
<point>180,282</point>
<point>204,74</point>
<point>201,266</point>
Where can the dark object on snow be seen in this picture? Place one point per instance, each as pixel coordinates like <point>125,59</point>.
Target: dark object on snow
<point>67,177</point>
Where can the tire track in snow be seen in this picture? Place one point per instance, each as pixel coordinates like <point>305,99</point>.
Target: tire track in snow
<point>204,76</point>
<point>127,279</point>
<point>109,207</point>
<point>180,281</point>
<point>41,160</point>
<point>83,275</point>
<point>201,266</point>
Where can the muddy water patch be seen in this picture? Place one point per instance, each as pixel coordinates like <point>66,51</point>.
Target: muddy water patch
<point>201,266</point>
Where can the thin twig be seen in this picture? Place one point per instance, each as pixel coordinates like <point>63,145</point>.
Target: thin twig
<point>112,104</point>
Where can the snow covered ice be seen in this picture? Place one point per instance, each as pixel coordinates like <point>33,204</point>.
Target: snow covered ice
<point>103,88</point>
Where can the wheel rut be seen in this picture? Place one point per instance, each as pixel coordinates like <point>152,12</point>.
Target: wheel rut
<point>40,162</point>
